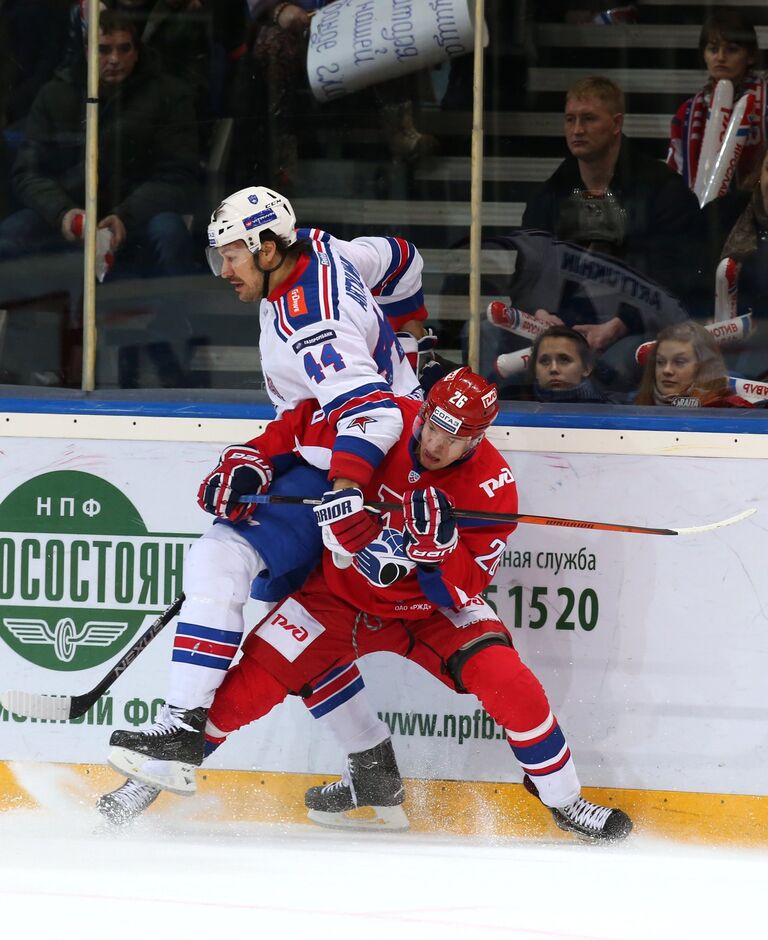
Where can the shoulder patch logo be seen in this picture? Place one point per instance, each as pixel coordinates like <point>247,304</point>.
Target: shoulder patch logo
<point>296,303</point>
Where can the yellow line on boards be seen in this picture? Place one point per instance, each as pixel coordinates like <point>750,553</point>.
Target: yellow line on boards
<point>457,807</point>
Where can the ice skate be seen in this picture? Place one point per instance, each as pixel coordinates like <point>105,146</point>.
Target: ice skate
<point>125,804</point>
<point>590,822</point>
<point>166,754</point>
<point>371,780</point>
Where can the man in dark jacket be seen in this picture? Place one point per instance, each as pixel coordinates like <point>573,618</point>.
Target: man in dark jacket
<point>611,201</point>
<point>647,214</point>
<point>148,159</point>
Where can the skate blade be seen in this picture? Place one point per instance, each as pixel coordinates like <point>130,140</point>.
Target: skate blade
<point>169,775</point>
<point>379,818</point>
<point>584,839</point>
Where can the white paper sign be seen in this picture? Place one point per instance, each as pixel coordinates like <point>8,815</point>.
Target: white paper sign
<point>357,43</point>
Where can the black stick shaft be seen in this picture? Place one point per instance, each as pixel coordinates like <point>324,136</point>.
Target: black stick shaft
<point>81,703</point>
<point>483,516</point>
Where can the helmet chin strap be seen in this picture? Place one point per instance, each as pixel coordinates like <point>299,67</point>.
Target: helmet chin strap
<point>267,271</point>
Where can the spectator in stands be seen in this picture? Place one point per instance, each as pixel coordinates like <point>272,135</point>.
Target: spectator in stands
<point>685,369</point>
<point>148,160</point>
<point>728,45</point>
<point>608,197</point>
<point>36,32</point>
<point>180,33</point>
<point>747,244</point>
<point>560,367</point>
<point>280,44</point>
<point>729,48</point>
<point>29,54</point>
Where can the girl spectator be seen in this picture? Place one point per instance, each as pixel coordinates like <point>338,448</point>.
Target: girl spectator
<point>728,44</point>
<point>560,367</point>
<point>685,369</point>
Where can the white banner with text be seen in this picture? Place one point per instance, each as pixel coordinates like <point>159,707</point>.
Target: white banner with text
<point>653,649</point>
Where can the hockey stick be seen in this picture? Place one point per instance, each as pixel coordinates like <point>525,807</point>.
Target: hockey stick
<point>522,517</point>
<point>65,707</point>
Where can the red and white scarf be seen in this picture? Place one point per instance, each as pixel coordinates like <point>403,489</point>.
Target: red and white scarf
<point>689,122</point>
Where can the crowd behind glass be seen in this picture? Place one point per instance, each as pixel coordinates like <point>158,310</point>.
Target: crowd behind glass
<point>636,277</point>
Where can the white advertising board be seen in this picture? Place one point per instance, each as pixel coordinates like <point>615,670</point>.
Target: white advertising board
<point>653,649</point>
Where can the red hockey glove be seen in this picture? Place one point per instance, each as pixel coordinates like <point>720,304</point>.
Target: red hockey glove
<point>430,530</point>
<point>242,471</point>
<point>346,525</point>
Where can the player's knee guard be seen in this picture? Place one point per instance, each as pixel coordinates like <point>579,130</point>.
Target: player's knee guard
<point>218,572</point>
<point>248,693</point>
<point>507,688</point>
<point>456,663</point>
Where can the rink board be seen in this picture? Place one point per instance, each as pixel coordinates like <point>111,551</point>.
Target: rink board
<point>491,810</point>
<point>652,649</point>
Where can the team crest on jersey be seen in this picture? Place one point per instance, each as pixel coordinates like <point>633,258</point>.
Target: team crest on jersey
<point>414,476</point>
<point>296,303</point>
<point>362,422</point>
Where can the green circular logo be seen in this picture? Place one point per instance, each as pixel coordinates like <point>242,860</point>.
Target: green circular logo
<point>79,572</point>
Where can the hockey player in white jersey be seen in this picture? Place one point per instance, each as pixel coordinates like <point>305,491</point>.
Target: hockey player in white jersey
<point>329,312</point>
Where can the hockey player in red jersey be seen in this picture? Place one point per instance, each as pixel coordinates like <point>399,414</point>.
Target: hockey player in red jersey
<point>413,589</point>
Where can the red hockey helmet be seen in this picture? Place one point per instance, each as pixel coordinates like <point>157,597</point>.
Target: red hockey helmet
<point>461,403</point>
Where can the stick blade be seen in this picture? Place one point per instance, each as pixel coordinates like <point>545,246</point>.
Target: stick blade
<point>732,520</point>
<point>34,705</point>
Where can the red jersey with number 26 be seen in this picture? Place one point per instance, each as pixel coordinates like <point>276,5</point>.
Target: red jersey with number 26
<point>482,481</point>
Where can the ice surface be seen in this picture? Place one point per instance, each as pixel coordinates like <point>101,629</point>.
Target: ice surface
<point>174,876</point>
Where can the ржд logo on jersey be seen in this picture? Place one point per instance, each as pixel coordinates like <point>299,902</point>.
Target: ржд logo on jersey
<point>290,630</point>
<point>489,487</point>
<point>79,572</point>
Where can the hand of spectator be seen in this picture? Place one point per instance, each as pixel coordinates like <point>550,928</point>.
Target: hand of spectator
<point>600,336</point>
<point>115,224</point>
<point>73,225</point>
<point>290,17</point>
<point>550,319</point>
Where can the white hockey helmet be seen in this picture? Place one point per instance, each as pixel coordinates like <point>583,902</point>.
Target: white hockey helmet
<point>243,216</point>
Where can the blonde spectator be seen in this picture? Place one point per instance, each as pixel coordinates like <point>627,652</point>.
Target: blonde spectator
<point>685,369</point>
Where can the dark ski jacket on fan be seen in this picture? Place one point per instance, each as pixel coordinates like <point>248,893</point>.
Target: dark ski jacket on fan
<point>661,215</point>
<point>148,150</point>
